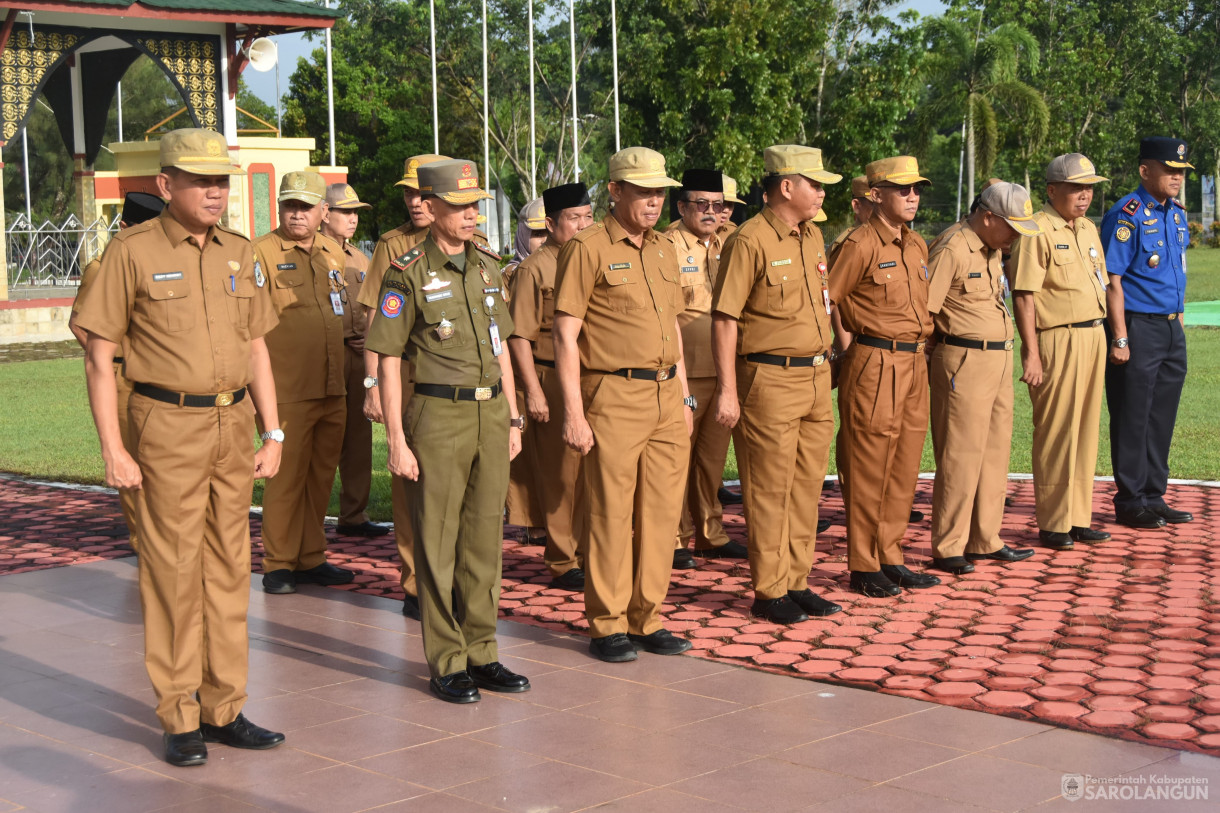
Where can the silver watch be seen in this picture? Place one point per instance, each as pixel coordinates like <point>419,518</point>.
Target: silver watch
<point>369,382</point>
<point>274,434</point>
<point>691,402</point>
<point>1120,343</point>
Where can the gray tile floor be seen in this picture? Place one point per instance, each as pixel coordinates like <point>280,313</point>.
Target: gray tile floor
<point>343,675</point>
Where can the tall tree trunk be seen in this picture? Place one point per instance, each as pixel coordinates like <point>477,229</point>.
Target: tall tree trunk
<point>970,149</point>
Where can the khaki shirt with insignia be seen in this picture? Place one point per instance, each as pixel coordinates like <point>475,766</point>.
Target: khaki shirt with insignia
<point>87,278</point>
<point>773,282</point>
<point>879,282</point>
<point>424,291</point>
<point>355,271</point>
<point>700,265</point>
<point>966,287</point>
<point>532,299</point>
<point>628,297</point>
<point>1064,267</point>
<point>307,347</point>
<point>188,313</point>
<point>392,245</point>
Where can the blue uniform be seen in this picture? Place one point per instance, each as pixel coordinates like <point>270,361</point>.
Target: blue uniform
<point>1145,244</point>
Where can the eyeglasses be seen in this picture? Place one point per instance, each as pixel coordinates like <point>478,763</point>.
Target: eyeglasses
<point>904,191</point>
<point>703,204</point>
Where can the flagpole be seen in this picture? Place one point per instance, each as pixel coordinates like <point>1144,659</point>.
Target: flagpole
<point>486,122</point>
<point>436,133</point>
<point>572,42</point>
<point>330,94</point>
<point>614,57</point>
<point>533,136</point>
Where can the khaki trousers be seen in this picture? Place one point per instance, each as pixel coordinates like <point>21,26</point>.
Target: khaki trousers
<point>1067,412</point>
<point>972,438</point>
<point>883,420</point>
<point>295,499</point>
<point>458,508</point>
<point>522,502</point>
<point>404,525</point>
<point>626,499</point>
<point>127,498</point>
<point>356,455</point>
<point>193,515</point>
<point>783,449</point>
<point>709,445</point>
<point>556,469</point>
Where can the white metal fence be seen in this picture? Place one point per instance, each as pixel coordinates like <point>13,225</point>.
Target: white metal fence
<point>52,254</point>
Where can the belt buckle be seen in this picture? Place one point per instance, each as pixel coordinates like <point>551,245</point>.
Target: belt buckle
<point>919,346</point>
<point>224,399</point>
<point>482,393</point>
<point>1173,317</point>
<point>1008,344</point>
<point>1098,322</point>
<point>819,359</point>
<point>662,375</point>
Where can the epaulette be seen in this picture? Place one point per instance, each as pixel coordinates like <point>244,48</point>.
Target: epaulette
<point>227,229</point>
<point>407,260</point>
<point>1178,203</point>
<point>404,229</point>
<point>585,234</point>
<point>1132,206</point>
<point>487,251</point>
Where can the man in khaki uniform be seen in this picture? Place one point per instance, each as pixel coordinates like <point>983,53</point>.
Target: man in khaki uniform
<point>698,243</point>
<point>861,210</point>
<point>532,304</point>
<point>339,223</point>
<point>181,294</point>
<point>879,283</point>
<point>137,208</point>
<point>443,304</point>
<point>771,338</point>
<point>304,271</point>
<point>1059,295</point>
<point>618,349</point>
<point>971,375</point>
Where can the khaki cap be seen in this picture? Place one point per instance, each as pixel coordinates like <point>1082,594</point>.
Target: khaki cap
<point>303,185</point>
<point>795,159</point>
<point>730,190</point>
<point>453,180</point>
<point>200,152</point>
<point>410,168</point>
<point>859,187</point>
<point>897,171</point>
<point>534,215</point>
<point>820,217</point>
<point>642,167</point>
<point>1011,202</point>
<point>1072,168</point>
<point>341,196</point>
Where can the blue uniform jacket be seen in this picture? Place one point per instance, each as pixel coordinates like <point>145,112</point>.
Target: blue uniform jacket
<point>1145,244</point>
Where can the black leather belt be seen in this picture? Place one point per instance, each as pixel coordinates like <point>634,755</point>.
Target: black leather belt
<point>1160,317</point>
<point>786,361</point>
<point>647,375</point>
<point>977,344</point>
<point>459,393</point>
<point>544,362</point>
<point>183,399</point>
<point>889,344</point>
<point>1085,323</point>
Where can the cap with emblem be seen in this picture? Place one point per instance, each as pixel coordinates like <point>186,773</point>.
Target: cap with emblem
<point>533,214</point>
<point>702,180</point>
<point>303,185</point>
<point>1169,151</point>
<point>454,180</point>
<point>795,159</point>
<point>410,168</point>
<point>200,152</point>
<point>730,190</point>
<point>900,170</point>
<point>1072,168</point>
<point>565,196</point>
<point>859,187</point>
<point>642,167</point>
<point>140,206</point>
<point>1011,202</point>
<point>343,197</point>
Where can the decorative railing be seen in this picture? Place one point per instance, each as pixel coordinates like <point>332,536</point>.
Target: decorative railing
<point>51,254</point>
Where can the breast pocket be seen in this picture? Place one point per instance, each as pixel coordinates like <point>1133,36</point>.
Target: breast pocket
<point>289,289</point>
<point>623,292</point>
<point>783,290</point>
<point>173,307</point>
<point>976,289</point>
<point>1153,244</point>
<point>238,304</point>
<point>439,319</point>
<point>890,288</point>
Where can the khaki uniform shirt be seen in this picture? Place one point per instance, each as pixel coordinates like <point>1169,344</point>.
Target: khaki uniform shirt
<point>966,287</point>
<point>532,299</point>
<point>188,312</point>
<point>87,278</point>
<point>879,282</point>
<point>307,347</point>
<point>700,265</point>
<point>773,281</point>
<point>1064,267</point>
<point>838,241</point>
<point>392,245</point>
<point>355,315</point>
<point>424,297</point>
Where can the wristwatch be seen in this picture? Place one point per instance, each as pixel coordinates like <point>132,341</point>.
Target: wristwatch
<point>274,434</point>
<point>517,422</point>
<point>1120,343</point>
<point>691,402</point>
<point>369,382</point>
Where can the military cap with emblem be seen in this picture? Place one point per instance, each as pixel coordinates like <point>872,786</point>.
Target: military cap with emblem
<point>797,159</point>
<point>534,214</point>
<point>642,167</point>
<point>454,180</point>
<point>1169,151</point>
<point>859,187</point>
<point>303,185</point>
<point>1011,202</point>
<point>410,168</point>
<point>342,197</point>
<point>140,206</point>
<point>1072,168</point>
<point>565,196</point>
<point>200,152</point>
<point>730,190</point>
<point>702,180</point>
<point>900,170</point>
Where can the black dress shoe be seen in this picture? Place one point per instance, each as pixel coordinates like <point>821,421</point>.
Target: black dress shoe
<point>1008,502</point>
<point>903,576</point>
<point>410,606</point>
<point>528,538</point>
<point>455,688</point>
<point>957,565</point>
<point>728,497</point>
<point>1088,535</point>
<point>729,550</point>
<point>782,610</point>
<point>1171,515</point>
<point>496,677</point>
<point>615,648</point>
<point>573,580</point>
<point>279,582</point>
<point>916,516</point>
<point>365,529</point>
<point>823,524</point>
<point>1144,518</point>
<point>325,573</point>
<point>241,733</point>
<point>1056,540</point>
<point>684,559</point>
<point>813,604</point>
<point>186,749</point>
<point>661,642</point>
<point>1007,554</point>
<point>873,584</point>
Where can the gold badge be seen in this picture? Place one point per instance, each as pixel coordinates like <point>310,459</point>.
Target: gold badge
<point>298,182</point>
<point>234,265</point>
<point>1029,208</point>
<point>1123,234</point>
<point>214,149</point>
<point>1154,260</point>
<point>466,170</point>
<point>444,330</point>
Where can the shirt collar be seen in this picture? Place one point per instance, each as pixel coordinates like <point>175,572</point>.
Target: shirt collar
<point>973,241</point>
<point>887,232</point>
<point>617,233</point>
<point>782,229</point>
<point>177,233</point>
<point>438,258</point>
<point>1150,201</point>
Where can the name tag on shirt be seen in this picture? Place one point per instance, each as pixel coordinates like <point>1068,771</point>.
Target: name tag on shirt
<point>433,297</point>
<point>1062,246</point>
<point>975,275</point>
<point>168,275</point>
<point>493,330</point>
<point>286,267</point>
<point>336,303</point>
<point>890,264</point>
<point>781,262</point>
<point>619,266</point>
<point>690,269</point>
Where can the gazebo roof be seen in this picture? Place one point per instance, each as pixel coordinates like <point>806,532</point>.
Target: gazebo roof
<point>278,16</point>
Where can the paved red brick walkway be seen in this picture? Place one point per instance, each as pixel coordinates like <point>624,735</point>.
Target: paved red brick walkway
<point>1121,638</point>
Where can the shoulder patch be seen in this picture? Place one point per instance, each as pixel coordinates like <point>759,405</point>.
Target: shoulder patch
<point>407,260</point>
<point>1132,206</point>
<point>487,251</point>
